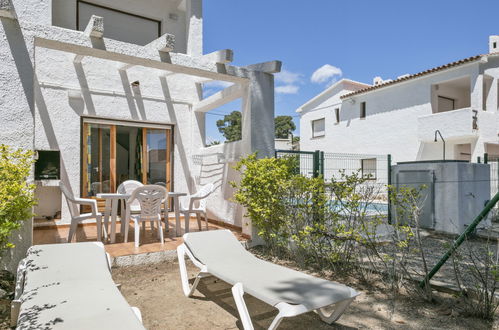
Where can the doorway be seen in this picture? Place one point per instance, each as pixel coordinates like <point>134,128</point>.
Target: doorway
<point>114,152</point>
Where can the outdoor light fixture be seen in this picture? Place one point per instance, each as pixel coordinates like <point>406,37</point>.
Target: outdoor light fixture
<point>442,138</point>
<point>135,83</point>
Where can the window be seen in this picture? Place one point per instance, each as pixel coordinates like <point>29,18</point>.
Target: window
<point>494,45</point>
<point>446,104</point>
<point>368,167</point>
<point>337,115</point>
<point>362,110</point>
<point>119,25</point>
<point>318,127</point>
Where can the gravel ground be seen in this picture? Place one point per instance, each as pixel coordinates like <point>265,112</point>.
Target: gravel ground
<point>470,255</point>
<point>156,290</point>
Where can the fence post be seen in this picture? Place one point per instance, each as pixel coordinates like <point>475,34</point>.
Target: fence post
<point>485,158</point>
<point>316,163</point>
<point>389,166</point>
<point>322,164</point>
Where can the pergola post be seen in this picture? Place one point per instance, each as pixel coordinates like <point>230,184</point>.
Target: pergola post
<point>258,126</point>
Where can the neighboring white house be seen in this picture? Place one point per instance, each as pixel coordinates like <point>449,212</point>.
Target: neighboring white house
<point>400,117</point>
<point>287,143</point>
<point>108,90</point>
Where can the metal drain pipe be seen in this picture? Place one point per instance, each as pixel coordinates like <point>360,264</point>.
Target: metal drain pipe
<point>460,240</point>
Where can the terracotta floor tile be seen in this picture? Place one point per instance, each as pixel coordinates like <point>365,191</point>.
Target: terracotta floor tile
<point>149,241</point>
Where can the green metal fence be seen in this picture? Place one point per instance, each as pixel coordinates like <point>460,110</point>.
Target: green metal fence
<point>375,168</point>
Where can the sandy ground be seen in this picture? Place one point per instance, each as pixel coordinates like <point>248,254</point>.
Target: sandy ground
<point>156,290</point>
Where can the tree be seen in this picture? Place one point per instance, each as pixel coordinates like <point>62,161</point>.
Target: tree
<point>230,126</point>
<point>284,126</point>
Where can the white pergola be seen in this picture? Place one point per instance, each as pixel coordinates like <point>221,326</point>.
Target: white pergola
<point>254,84</point>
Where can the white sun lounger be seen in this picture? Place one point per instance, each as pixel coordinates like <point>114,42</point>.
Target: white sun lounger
<point>69,286</point>
<point>220,254</point>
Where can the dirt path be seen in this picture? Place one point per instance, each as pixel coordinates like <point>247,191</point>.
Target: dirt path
<point>156,290</point>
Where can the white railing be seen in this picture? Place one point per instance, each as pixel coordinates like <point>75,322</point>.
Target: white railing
<point>453,124</point>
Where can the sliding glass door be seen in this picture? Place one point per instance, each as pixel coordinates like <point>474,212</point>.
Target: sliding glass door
<point>97,159</point>
<point>114,153</point>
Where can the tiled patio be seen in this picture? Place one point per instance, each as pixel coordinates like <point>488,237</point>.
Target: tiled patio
<point>149,241</point>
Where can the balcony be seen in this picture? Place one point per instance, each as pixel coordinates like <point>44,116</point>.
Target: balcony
<point>453,124</point>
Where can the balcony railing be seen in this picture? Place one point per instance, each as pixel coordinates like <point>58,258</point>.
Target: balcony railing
<point>454,124</point>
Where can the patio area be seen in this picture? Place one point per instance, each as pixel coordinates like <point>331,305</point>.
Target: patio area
<point>149,241</point>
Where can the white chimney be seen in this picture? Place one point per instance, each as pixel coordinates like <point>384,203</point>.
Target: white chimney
<point>377,81</point>
<point>493,44</point>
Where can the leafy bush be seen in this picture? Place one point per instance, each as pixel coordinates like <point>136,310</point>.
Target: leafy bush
<point>478,266</point>
<point>262,191</point>
<point>16,195</point>
<point>320,223</point>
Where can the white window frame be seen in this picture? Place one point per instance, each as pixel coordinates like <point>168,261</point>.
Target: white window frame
<point>369,172</point>
<point>314,135</point>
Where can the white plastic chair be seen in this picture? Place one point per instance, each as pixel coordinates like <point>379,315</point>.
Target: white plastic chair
<point>76,216</point>
<point>128,187</point>
<point>197,205</point>
<point>150,198</point>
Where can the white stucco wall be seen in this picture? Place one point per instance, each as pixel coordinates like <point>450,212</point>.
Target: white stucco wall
<point>392,117</point>
<point>45,93</point>
<point>64,13</point>
<point>106,93</point>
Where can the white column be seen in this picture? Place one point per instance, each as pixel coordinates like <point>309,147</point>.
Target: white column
<point>477,91</point>
<point>258,126</point>
<point>194,29</point>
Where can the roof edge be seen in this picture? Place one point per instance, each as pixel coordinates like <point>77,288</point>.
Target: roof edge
<point>467,60</point>
<point>327,90</point>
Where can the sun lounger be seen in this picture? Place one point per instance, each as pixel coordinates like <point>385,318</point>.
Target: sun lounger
<point>220,254</point>
<point>69,286</point>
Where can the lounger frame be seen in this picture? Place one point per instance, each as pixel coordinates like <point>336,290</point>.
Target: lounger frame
<point>328,314</point>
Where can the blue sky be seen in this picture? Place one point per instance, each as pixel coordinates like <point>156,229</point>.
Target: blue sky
<point>351,39</point>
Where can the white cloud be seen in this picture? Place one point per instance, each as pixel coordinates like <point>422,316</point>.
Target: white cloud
<point>326,73</point>
<point>287,89</point>
<point>288,77</point>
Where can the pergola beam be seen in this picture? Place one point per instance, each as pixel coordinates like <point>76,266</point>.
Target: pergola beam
<point>95,27</point>
<point>7,9</point>
<point>165,43</point>
<point>268,67</point>
<point>220,56</point>
<point>216,100</point>
<point>77,43</point>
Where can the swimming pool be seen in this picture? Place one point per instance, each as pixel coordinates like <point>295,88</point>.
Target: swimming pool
<point>370,208</point>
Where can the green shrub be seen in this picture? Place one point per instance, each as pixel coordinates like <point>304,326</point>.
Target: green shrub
<point>262,191</point>
<point>16,194</point>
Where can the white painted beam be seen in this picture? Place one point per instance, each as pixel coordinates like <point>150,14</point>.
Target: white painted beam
<point>7,9</point>
<point>268,67</point>
<point>95,27</point>
<point>216,100</point>
<point>78,58</point>
<point>76,42</point>
<point>220,56</point>
<point>165,43</point>
<point>125,67</point>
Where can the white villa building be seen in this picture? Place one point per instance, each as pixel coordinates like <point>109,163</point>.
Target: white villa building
<point>106,90</point>
<point>400,117</point>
